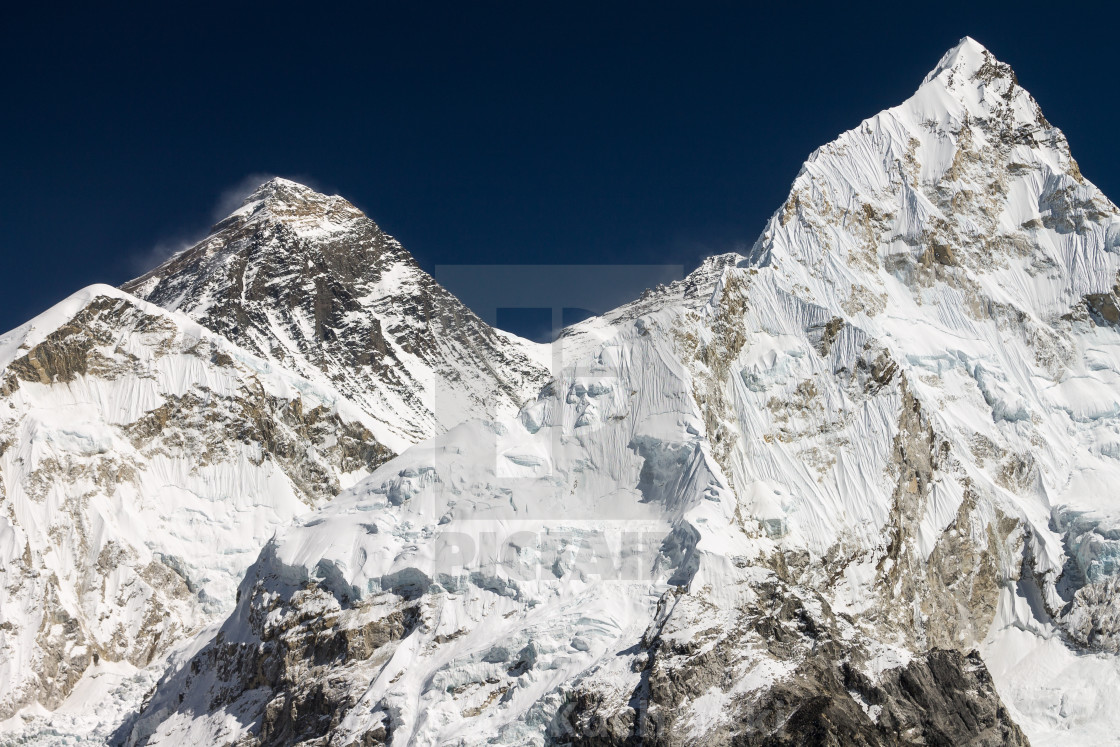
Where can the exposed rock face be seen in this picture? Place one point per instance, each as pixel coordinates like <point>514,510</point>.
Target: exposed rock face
<point>824,693</point>
<point>287,662</point>
<point>942,698</point>
<point>309,282</point>
<point>144,462</point>
<point>1092,618</point>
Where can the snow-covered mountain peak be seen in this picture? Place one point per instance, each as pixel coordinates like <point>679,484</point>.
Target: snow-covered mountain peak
<point>966,58</point>
<point>280,189</point>
<point>16,342</point>
<point>965,184</point>
<point>969,82</point>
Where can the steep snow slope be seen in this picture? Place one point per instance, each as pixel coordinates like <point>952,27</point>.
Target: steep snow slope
<point>788,496</point>
<point>308,282</point>
<point>958,230</point>
<point>144,461</point>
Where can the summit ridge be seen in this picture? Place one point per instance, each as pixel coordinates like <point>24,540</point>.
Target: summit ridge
<point>966,58</point>
<point>295,204</point>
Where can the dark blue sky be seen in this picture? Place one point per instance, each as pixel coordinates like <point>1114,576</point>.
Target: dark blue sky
<point>492,133</point>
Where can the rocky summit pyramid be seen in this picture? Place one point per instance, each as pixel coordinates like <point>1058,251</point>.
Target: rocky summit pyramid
<point>858,486</point>
<point>308,282</point>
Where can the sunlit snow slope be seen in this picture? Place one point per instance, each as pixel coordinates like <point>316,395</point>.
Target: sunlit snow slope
<point>144,461</point>
<point>958,231</point>
<point>858,486</point>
